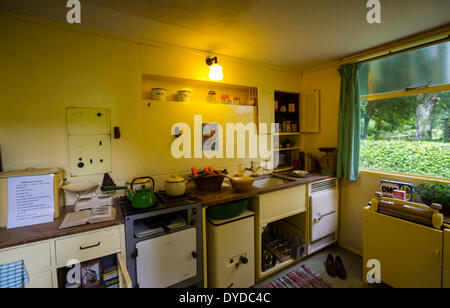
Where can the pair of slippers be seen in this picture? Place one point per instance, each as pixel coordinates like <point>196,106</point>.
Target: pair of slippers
<point>335,267</point>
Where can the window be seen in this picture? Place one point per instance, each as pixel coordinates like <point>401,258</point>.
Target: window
<point>405,112</point>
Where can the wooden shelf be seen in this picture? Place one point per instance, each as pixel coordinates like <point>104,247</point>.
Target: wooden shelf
<point>283,169</point>
<point>194,102</point>
<point>288,149</point>
<point>199,90</point>
<point>288,134</point>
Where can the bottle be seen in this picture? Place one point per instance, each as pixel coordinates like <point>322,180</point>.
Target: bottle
<point>211,97</point>
<point>225,99</point>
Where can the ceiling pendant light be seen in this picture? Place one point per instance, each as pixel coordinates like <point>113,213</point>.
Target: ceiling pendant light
<point>215,70</point>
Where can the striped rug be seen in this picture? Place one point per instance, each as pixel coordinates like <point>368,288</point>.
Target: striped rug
<point>301,278</point>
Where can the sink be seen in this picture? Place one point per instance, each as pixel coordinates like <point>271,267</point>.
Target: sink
<point>269,182</point>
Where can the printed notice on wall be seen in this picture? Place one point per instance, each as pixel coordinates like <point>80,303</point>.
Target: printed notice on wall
<point>31,200</point>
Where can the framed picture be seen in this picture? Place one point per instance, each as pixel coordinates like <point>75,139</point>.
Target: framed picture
<point>210,137</point>
<point>91,274</point>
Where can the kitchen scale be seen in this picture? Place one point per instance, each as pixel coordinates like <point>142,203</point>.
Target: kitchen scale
<point>87,197</point>
<point>328,161</point>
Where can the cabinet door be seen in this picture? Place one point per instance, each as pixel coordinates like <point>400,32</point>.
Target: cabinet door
<point>324,214</point>
<point>310,112</point>
<point>410,254</point>
<point>40,281</point>
<point>446,274</point>
<point>266,108</point>
<point>283,203</point>
<point>124,277</point>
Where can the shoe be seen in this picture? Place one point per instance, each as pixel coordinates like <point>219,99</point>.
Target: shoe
<point>340,269</point>
<point>331,266</point>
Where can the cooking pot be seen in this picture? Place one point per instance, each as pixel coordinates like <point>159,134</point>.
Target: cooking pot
<point>175,186</point>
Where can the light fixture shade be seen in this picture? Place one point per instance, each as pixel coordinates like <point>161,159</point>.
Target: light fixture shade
<point>215,72</point>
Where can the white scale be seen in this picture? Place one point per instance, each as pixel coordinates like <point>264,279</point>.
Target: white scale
<point>87,197</point>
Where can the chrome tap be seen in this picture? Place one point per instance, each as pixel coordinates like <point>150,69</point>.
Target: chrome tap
<point>253,167</point>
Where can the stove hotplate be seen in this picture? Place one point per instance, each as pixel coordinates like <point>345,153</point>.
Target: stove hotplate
<point>163,202</point>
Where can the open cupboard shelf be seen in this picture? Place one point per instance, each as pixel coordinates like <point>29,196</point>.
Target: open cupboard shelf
<point>199,90</point>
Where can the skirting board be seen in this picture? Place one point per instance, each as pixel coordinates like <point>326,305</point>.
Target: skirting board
<point>351,249</point>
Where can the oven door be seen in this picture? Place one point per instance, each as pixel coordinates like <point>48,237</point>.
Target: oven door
<point>167,260</point>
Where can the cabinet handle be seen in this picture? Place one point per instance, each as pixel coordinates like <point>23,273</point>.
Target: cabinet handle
<point>88,247</point>
<point>320,216</point>
<point>437,255</point>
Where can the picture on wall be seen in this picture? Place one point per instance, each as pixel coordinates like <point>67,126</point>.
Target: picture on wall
<point>210,137</point>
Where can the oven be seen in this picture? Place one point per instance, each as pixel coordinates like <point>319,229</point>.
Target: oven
<point>164,244</point>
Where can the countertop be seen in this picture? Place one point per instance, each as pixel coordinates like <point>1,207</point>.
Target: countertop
<point>36,233</point>
<point>228,195</point>
<point>31,234</point>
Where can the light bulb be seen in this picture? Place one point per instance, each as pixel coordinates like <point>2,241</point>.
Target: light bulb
<point>215,72</point>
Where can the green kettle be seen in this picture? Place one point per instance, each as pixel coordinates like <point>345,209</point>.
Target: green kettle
<point>141,198</point>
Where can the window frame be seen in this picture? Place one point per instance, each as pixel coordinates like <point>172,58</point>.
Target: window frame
<point>403,93</point>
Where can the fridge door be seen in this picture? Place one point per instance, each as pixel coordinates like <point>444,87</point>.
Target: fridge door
<point>324,213</point>
<point>166,260</point>
<point>446,273</point>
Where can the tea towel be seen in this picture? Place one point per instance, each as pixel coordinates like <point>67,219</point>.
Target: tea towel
<point>13,275</point>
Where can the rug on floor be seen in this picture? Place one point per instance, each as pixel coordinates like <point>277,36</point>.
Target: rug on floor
<point>302,278</point>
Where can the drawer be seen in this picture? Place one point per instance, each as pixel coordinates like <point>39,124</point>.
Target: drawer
<point>40,281</point>
<point>87,246</point>
<point>283,203</point>
<point>35,257</point>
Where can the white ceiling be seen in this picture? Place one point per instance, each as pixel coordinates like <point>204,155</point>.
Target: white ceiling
<point>292,34</point>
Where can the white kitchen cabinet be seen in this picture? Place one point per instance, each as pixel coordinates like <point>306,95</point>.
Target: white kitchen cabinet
<point>87,246</point>
<point>42,280</point>
<point>271,207</point>
<point>281,204</point>
<point>231,252</point>
<point>43,259</point>
<point>37,260</point>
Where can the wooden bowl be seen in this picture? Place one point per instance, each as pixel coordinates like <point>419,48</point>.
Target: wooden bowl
<point>241,184</point>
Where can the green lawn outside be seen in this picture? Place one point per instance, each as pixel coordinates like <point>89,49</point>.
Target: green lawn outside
<point>412,157</point>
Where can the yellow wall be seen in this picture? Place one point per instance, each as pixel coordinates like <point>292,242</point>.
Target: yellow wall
<point>46,67</point>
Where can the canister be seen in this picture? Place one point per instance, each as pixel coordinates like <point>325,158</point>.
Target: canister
<point>158,94</point>
<point>184,96</point>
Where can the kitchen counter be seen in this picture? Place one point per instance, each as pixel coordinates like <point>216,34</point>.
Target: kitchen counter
<point>26,235</point>
<point>36,233</point>
<point>227,194</point>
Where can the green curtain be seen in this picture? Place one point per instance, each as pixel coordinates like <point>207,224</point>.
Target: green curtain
<point>349,124</point>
